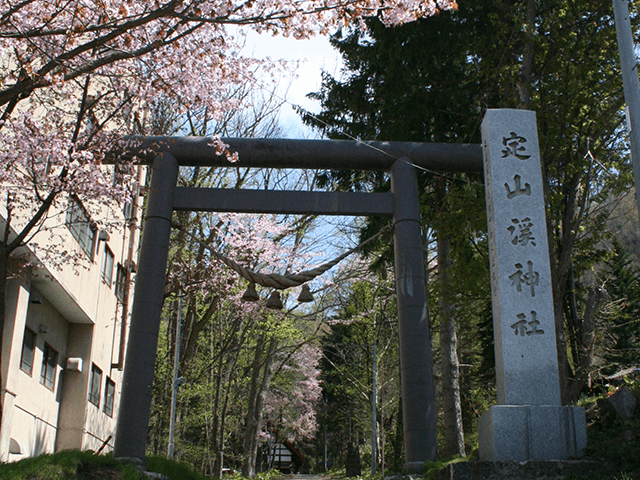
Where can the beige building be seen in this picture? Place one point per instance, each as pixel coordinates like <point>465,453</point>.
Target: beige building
<point>65,337</point>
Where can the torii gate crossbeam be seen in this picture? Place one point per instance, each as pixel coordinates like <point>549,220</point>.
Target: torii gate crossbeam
<point>400,158</point>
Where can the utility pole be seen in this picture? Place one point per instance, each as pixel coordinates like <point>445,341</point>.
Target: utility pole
<point>629,69</point>
<point>325,458</point>
<point>176,381</point>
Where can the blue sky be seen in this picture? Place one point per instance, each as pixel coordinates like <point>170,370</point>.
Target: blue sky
<point>314,56</point>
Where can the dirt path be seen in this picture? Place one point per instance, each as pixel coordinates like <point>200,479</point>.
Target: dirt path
<point>305,476</point>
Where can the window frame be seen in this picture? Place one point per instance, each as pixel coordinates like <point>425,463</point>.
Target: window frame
<point>94,397</point>
<point>109,396</point>
<point>33,351</point>
<point>82,228</point>
<point>121,280</point>
<point>107,276</point>
<point>127,210</point>
<point>49,367</point>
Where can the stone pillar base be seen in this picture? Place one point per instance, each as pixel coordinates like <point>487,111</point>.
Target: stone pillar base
<point>532,432</point>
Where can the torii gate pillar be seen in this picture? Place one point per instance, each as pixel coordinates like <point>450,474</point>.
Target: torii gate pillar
<point>418,405</point>
<point>137,385</point>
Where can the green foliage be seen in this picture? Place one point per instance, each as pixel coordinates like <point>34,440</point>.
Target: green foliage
<point>172,469</point>
<point>272,474</point>
<point>623,476</point>
<point>432,80</point>
<point>380,99</point>
<point>612,440</point>
<point>577,95</point>
<point>231,352</point>
<point>269,475</point>
<point>619,345</point>
<point>367,314</point>
<point>69,465</point>
<point>432,468</point>
<point>449,58</point>
<point>76,465</point>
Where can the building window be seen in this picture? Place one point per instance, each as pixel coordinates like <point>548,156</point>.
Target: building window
<point>49,364</point>
<point>121,280</point>
<point>28,349</point>
<point>107,266</point>
<point>95,385</point>
<point>109,394</point>
<point>127,210</point>
<point>80,225</point>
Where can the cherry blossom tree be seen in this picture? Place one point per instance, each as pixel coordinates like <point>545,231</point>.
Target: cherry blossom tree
<point>297,391</point>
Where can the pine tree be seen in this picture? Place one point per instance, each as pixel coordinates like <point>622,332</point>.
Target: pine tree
<point>621,320</point>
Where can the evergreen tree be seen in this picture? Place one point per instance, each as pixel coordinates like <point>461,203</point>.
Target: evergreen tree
<point>620,347</point>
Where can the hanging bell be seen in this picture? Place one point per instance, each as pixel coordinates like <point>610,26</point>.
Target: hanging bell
<point>251,295</point>
<point>305,294</point>
<point>274,301</point>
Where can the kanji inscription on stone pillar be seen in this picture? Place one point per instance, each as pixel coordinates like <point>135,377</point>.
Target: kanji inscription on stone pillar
<point>526,358</point>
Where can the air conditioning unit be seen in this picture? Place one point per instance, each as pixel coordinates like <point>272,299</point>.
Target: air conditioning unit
<point>74,364</point>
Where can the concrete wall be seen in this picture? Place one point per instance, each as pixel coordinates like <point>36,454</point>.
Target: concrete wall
<point>74,391</point>
<point>36,407</point>
<point>17,302</point>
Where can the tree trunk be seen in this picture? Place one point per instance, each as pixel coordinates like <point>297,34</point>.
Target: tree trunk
<point>225,379</point>
<point>586,346</point>
<point>569,327</point>
<point>216,379</point>
<point>453,429</point>
<point>524,84</point>
<point>262,370</point>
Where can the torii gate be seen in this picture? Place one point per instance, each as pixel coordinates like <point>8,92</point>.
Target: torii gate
<point>166,155</point>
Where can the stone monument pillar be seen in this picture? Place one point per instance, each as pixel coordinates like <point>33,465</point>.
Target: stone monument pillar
<point>528,423</point>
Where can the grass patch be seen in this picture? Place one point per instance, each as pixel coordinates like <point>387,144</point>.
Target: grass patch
<point>69,465</point>
<point>172,469</point>
<point>432,468</point>
<point>76,465</point>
